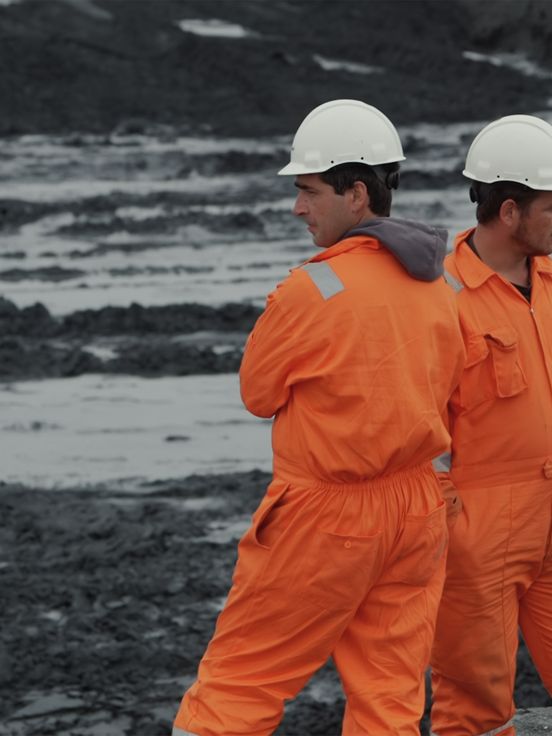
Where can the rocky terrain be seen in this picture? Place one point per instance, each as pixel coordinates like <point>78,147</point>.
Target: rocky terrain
<point>135,340</point>
<point>109,599</point>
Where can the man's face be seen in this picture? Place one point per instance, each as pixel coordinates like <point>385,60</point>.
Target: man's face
<point>327,214</point>
<point>534,232</point>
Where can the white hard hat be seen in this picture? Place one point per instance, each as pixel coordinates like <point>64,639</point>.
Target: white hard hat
<point>514,148</point>
<point>343,131</point>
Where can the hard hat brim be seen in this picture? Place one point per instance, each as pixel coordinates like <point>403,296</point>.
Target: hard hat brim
<point>293,169</point>
<point>296,169</point>
<point>537,186</point>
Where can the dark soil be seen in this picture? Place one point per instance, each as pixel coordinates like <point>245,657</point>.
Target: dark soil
<point>96,65</point>
<point>109,599</point>
<point>172,319</point>
<point>177,340</point>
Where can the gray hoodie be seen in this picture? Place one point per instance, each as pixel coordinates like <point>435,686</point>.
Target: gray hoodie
<point>420,248</point>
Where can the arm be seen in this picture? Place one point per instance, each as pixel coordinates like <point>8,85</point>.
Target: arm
<point>289,344</point>
<point>450,496</point>
<point>266,363</point>
<point>442,465</point>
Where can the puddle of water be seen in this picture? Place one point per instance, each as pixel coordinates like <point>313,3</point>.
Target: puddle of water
<point>102,428</point>
<point>43,705</point>
<point>224,532</point>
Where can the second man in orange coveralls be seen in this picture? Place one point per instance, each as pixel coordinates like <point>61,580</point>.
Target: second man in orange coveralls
<point>500,558</point>
<point>355,356</point>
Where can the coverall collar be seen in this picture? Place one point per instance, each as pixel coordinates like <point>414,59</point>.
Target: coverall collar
<point>543,264</point>
<point>343,246</point>
<point>474,272</point>
<point>418,247</point>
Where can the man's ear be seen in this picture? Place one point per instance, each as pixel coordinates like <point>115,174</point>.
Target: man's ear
<point>360,198</point>
<point>509,213</point>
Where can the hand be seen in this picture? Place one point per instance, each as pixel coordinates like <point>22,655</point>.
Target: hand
<point>451,497</point>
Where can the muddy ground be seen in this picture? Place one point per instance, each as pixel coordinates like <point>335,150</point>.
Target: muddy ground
<point>177,339</point>
<point>110,597</point>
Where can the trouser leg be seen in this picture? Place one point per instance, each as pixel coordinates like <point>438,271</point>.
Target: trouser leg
<point>474,653</point>
<point>535,618</point>
<point>383,655</point>
<point>499,575</point>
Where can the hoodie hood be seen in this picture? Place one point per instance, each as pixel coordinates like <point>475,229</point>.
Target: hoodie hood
<point>420,248</point>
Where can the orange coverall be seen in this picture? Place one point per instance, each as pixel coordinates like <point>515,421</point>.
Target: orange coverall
<point>499,571</point>
<point>345,557</point>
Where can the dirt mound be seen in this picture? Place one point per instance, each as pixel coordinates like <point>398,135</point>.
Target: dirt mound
<point>172,340</point>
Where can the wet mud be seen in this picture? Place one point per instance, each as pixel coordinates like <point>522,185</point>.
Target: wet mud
<point>110,597</point>
<point>176,339</point>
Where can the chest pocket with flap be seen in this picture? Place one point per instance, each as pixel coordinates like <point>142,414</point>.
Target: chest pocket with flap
<point>493,368</point>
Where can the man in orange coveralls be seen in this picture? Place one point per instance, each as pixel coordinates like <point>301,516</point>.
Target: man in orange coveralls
<point>499,572</point>
<point>355,356</point>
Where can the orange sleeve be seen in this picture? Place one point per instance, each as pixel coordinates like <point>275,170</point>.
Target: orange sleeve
<point>288,345</point>
<point>267,361</point>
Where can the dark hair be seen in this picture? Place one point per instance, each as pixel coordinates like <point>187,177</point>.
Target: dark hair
<point>489,197</point>
<point>378,180</point>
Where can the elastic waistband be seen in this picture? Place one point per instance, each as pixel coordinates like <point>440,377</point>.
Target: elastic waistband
<point>372,484</point>
<point>507,471</point>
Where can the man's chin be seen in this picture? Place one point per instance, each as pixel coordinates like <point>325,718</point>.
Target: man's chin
<point>319,242</point>
<point>543,252</point>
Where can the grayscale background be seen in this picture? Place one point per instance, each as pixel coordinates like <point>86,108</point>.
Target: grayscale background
<point>141,227</point>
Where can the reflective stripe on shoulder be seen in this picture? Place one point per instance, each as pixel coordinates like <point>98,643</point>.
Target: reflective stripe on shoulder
<point>325,278</point>
<point>451,281</point>
<point>442,463</point>
<point>492,732</point>
<point>180,732</point>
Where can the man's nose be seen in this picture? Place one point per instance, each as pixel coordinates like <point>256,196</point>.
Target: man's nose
<point>299,207</point>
